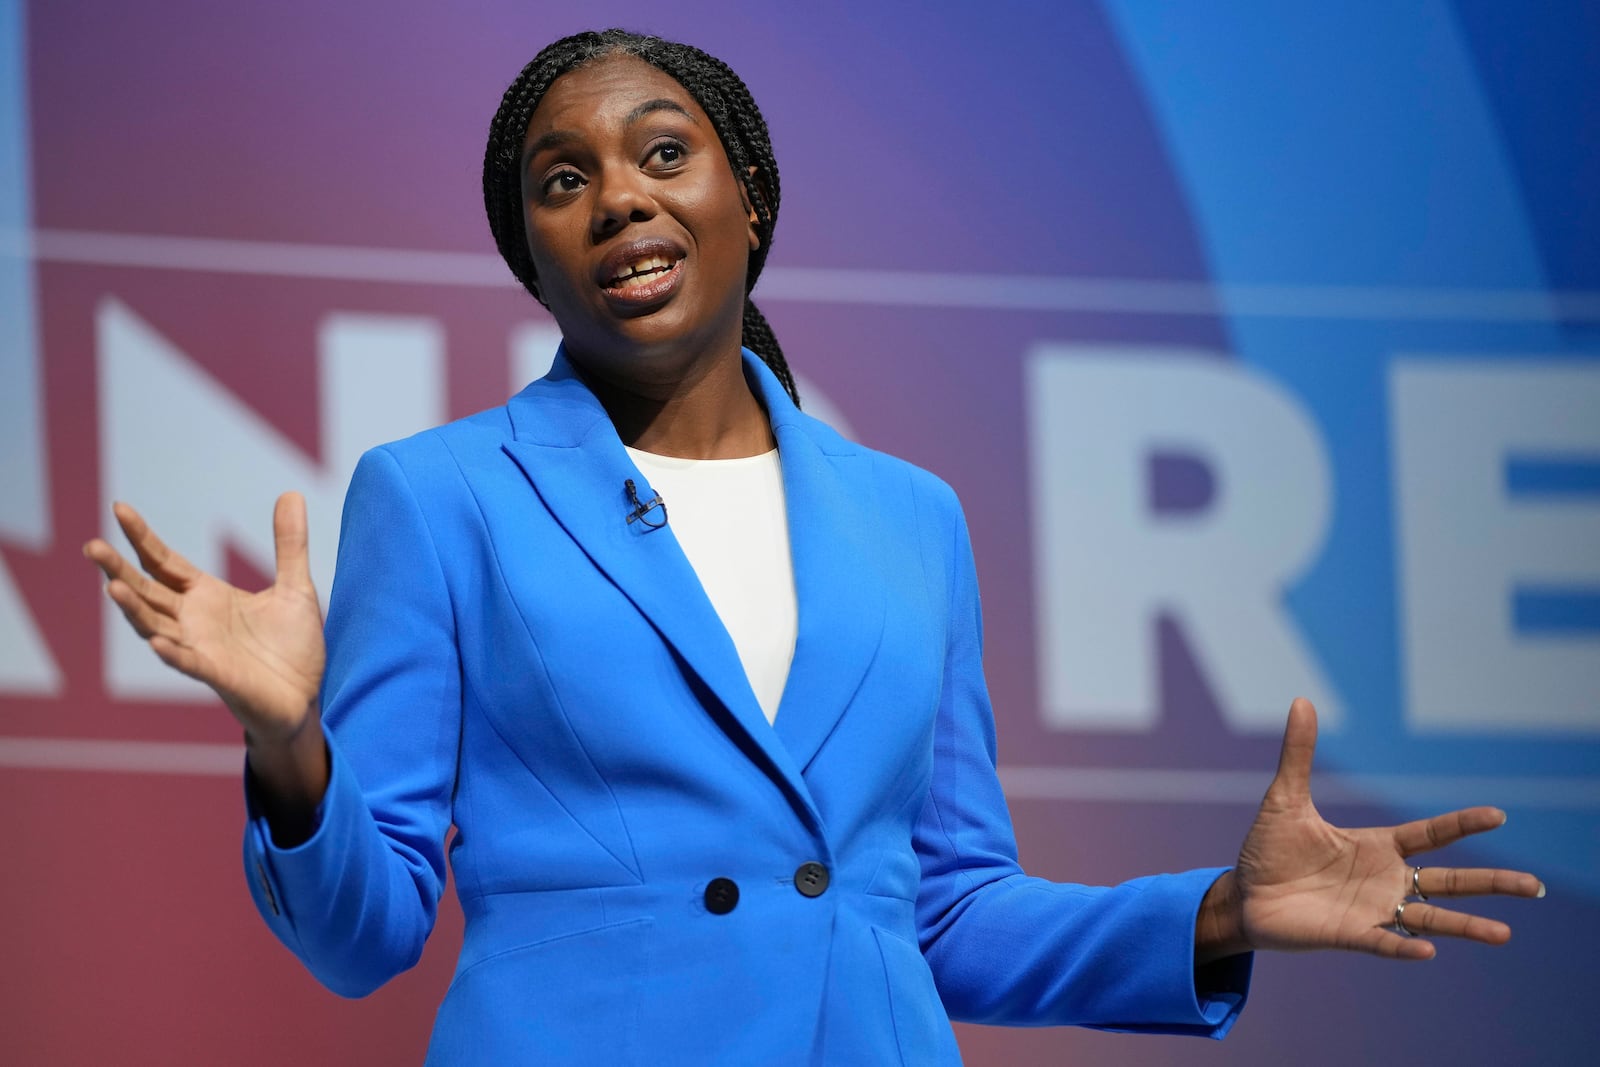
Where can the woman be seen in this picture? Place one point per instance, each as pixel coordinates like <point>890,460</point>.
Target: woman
<point>723,776</point>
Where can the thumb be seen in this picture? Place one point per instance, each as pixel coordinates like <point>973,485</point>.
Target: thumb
<point>290,536</point>
<point>1293,780</point>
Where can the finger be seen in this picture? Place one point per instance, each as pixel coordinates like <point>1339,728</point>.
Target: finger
<point>1477,882</point>
<point>1293,779</point>
<point>165,565</point>
<point>145,620</point>
<point>1430,921</point>
<point>1384,941</point>
<point>1425,835</point>
<point>180,658</point>
<point>290,536</point>
<point>116,568</point>
<point>109,560</point>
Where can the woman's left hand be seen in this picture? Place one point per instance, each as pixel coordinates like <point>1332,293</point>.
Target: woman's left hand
<point>1302,883</point>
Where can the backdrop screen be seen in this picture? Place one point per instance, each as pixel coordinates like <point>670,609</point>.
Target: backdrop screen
<point>1261,342</point>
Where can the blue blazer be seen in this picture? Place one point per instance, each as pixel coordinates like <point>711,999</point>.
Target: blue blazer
<point>649,871</point>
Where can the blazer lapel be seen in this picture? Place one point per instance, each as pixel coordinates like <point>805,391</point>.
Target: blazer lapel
<point>569,451</point>
<point>835,544</point>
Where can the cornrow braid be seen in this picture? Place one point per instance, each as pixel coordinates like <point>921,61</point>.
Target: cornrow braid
<point>721,94</point>
<point>758,337</point>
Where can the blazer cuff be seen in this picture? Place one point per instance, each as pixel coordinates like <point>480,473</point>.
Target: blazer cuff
<point>1196,1001</point>
<point>279,877</point>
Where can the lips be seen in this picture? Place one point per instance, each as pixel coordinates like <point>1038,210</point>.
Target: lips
<point>639,266</point>
<point>641,270</point>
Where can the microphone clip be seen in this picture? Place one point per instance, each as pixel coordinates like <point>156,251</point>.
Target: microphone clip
<point>642,509</point>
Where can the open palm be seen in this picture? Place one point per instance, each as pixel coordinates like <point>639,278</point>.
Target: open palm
<point>261,652</point>
<point>1302,883</point>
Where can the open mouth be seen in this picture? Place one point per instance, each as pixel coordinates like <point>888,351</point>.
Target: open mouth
<point>641,272</point>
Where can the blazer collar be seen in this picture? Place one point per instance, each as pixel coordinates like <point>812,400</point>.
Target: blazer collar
<point>570,452</point>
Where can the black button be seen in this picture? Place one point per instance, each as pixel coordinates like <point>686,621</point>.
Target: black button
<point>722,896</point>
<point>811,879</point>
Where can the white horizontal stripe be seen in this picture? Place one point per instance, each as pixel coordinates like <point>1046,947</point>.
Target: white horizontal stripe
<point>887,288</point>
<point>270,257</point>
<point>1021,292</point>
<point>1117,784</point>
<point>1143,784</point>
<point>146,757</point>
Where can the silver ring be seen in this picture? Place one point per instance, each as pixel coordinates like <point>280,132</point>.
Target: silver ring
<point>1416,886</point>
<point>1400,920</point>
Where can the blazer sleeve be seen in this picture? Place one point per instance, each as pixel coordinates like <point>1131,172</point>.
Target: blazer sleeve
<point>1008,948</point>
<point>357,900</point>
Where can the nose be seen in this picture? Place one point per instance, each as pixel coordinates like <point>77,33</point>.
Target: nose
<point>622,198</point>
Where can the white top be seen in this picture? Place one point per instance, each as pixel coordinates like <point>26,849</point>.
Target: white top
<point>728,516</point>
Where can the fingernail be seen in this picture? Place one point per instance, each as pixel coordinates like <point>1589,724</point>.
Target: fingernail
<point>1540,893</point>
<point>1503,818</point>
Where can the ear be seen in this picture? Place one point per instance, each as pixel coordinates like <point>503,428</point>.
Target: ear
<point>750,212</point>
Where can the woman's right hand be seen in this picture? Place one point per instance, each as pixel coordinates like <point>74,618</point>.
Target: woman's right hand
<point>261,652</point>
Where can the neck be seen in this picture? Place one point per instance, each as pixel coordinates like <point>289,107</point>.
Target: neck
<point>713,415</point>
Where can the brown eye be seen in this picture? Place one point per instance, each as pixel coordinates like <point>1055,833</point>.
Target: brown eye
<point>567,181</point>
<point>666,155</point>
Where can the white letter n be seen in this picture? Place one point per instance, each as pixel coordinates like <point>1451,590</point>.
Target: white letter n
<point>204,468</point>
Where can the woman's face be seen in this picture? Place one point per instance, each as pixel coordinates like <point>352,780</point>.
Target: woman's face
<point>640,234</point>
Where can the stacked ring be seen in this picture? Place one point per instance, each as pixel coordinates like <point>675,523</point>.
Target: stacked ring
<point>1416,884</point>
<point>1400,920</point>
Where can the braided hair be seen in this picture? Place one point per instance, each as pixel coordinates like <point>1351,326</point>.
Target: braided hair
<point>721,95</point>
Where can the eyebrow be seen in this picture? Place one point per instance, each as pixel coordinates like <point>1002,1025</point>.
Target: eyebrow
<point>557,138</point>
<point>553,139</point>
<point>658,104</point>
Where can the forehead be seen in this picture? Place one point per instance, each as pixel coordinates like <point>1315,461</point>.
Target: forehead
<point>603,93</point>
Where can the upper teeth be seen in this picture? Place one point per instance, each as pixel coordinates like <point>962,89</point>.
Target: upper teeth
<point>642,266</point>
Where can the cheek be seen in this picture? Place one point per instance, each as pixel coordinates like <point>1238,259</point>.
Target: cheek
<point>725,223</point>
<point>551,265</point>
<point>529,227</point>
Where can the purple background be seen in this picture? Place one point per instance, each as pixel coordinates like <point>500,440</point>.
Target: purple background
<point>996,139</point>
